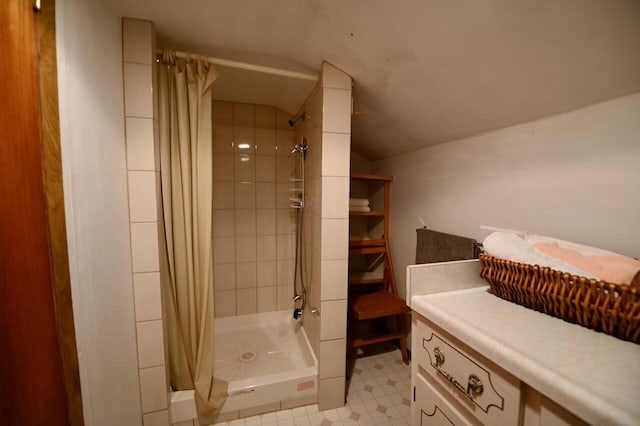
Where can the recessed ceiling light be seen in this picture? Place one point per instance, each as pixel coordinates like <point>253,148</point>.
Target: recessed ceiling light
<point>244,146</point>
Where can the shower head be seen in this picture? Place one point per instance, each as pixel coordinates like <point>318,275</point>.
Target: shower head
<point>302,115</point>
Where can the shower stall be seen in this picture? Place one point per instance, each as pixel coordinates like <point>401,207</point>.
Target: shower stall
<point>261,349</point>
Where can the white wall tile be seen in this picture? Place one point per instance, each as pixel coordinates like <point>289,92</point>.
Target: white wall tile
<point>140,144</point>
<point>222,113</point>
<point>286,220</point>
<point>265,168</point>
<point>223,195</point>
<point>245,220</point>
<point>224,250</point>
<point>334,276</point>
<point>147,298</point>
<point>266,248</point>
<point>332,360</point>
<point>246,248</point>
<point>245,195</point>
<point>244,115</point>
<point>331,393</point>
<point>138,95</point>
<point>284,272</point>
<point>265,117</point>
<point>137,41</point>
<point>266,142</point>
<point>150,343</point>
<point>154,87</point>
<point>282,194</point>
<point>285,246</point>
<point>282,120</point>
<point>224,276</point>
<point>244,140</point>
<point>336,153</point>
<point>222,139</point>
<point>153,391</point>
<point>144,247</point>
<point>265,195</point>
<point>142,197</point>
<point>285,169</point>
<point>244,168</point>
<point>246,275</point>
<point>336,117</point>
<point>266,273</point>
<point>223,167</point>
<point>265,221</point>
<point>335,197</point>
<point>246,302</point>
<point>333,320</point>
<point>225,303</point>
<point>335,239</point>
<point>335,78</point>
<point>223,223</point>
<point>156,145</point>
<point>284,296</point>
<point>267,301</point>
<point>159,418</point>
<point>285,140</point>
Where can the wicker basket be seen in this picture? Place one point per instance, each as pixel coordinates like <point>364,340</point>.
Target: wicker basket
<point>611,308</point>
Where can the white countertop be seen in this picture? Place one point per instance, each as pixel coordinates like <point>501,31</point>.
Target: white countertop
<point>593,375</point>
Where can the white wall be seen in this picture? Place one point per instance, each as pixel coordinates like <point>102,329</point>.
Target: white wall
<point>93,158</point>
<point>574,176</point>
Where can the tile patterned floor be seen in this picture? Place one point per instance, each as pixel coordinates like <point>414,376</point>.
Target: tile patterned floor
<point>378,393</point>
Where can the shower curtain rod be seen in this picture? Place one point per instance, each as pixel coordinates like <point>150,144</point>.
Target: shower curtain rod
<point>246,66</point>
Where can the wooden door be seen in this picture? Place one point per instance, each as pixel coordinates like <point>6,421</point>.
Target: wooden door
<point>38,359</point>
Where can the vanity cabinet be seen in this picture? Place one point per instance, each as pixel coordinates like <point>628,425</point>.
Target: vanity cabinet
<point>455,385</point>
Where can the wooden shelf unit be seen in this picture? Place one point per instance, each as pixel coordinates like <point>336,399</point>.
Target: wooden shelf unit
<point>374,299</point>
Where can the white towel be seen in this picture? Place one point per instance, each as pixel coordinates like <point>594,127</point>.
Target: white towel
<point>358,202</point>
<point>365,209</point>
<point>511,247</point>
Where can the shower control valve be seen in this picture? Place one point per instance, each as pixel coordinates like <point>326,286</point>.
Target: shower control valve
<point>297,313</point>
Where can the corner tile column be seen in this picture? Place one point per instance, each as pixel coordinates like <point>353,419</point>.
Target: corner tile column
<point>145,215</point>
<point>336,147</point>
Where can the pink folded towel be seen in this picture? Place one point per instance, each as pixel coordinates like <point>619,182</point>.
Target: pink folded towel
<point>614,269</point>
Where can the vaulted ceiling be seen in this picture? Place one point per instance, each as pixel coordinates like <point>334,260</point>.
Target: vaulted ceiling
<point>426,71</point>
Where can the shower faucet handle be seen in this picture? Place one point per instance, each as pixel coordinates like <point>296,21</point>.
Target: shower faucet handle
<point>296,297</point>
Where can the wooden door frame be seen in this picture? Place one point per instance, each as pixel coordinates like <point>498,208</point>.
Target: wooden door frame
<point>39,375</point>
<point>54,193</point>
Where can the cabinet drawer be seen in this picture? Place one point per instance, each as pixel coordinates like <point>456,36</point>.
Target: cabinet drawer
<point>431,408</point>
<point>490,393</point>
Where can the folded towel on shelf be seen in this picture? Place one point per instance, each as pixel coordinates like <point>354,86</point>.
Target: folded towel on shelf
<point>358,202</point>
<point>360,209</point>
<point>565,256</point>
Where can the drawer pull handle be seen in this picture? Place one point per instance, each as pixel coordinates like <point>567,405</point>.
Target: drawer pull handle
<point>474,386</point>
<point>439,355</point>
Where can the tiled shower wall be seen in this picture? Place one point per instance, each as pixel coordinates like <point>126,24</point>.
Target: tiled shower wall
<point>326,224</point>
<point>145,215</point>
<point>253,225</point>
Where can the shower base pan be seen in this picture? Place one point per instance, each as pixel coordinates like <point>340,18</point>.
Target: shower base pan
<point>265,358</point>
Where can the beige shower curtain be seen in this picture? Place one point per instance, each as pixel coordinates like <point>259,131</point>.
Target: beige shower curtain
<point>186,159</point>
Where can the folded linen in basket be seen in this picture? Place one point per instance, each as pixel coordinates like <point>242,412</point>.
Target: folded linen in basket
<point>358,202</point>
<point>612,268</point>
<point>565,256</point>
<point>359,209</point>
<point>509,246</point>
